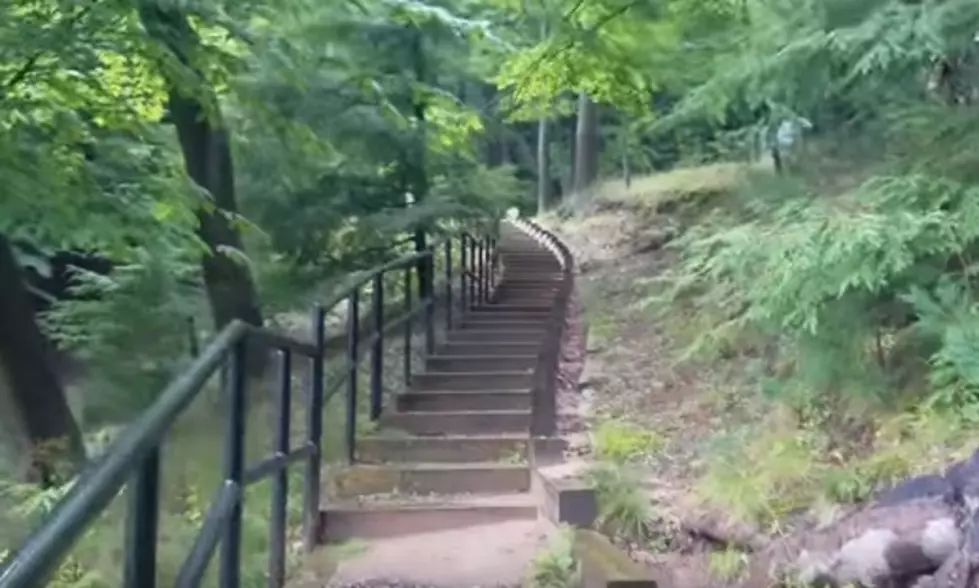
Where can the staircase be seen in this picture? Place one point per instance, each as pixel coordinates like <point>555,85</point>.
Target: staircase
<point>441,494</point>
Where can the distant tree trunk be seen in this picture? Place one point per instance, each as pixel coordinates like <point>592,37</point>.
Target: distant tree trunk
<point>626,170</point>
<point>543,167</point>
<point>36,424</point>
<point>418,173</point>
<point>206,150</point>
<point>586,145</point>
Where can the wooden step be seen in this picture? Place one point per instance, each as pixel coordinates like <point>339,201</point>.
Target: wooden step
<point>430,478</point>
<point>486,317</point>
<point>494,337</point>
<point>512,308</point>
<point>405,515</point>
<point>452,448</point>
<point>474,363</point>
<point>501,325</point>
<point>512,380</point>
<point>480,422</point>
<point>456,401</point>
<point>460,349</point>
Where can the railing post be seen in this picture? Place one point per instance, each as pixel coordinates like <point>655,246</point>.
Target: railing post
<point>280,482</point>
<point>463,275</point>
<point>234,462</point>
<point>314,434</point>
<point>142,522</point>
<point>353,336</point>
<point>448,285</point>
<point>377,349</point>
<point>409,324</point>
<point>429,303</point>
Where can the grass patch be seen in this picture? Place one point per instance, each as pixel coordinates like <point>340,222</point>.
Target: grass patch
<point>620,442</point>
<point>728,565</point>
<point>556,567</point>
<point>657,190</point>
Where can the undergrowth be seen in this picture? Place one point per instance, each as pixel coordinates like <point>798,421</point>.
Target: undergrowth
<point>844,325</point>
<point>556,566</point>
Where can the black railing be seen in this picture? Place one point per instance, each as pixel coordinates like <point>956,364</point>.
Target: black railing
<point>132,462</point>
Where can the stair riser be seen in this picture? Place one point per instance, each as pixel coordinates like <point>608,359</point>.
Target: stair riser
<point>511,308</point>
<point>463,401</point>
<point>440,450</point>
<point>474,423</point>
<point>500,325</point>
<point>494,337</point>
<point>427,382</point>
<point>482,364</point>
<point>343,525</point>
<point>362,481</point>
<point>486,350</point>
<point>479,317</point>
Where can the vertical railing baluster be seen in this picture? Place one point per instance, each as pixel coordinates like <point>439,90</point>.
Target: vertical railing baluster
<point>280,480</point>
<point>486,269</point>
<point>353,336</point>
<point>142,522</point>
<point>314,434</point>
<point>377,349</point>
<point>463,277</point>
<point>429,303</point>
<point>234,462</point>
<point>409,326</point>
<point>479,271</point>
<point>472,273</point>
<point>448,285</point>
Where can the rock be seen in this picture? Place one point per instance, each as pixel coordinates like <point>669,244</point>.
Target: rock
<point>929,486</point>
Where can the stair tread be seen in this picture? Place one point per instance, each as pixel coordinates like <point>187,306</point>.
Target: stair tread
<point>489,374</point>
<point>447,413</point>
<point>453,437</point>
<point>444,466</point>
<point>449,356</point>
<point>482,391</point>
<point>434,501</point>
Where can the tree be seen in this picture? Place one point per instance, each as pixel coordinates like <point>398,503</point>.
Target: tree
<point>206,148</point>
<point>38,427</point>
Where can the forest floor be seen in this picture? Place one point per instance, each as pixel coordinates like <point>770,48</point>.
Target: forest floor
<point>721,470</point>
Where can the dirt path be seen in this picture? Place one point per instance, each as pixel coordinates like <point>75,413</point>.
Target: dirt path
<point>630,376</point>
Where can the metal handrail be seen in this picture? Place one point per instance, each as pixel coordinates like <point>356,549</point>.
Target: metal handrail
<point>132,462</point>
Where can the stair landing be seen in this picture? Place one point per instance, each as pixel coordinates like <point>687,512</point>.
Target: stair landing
<point>447,500</point>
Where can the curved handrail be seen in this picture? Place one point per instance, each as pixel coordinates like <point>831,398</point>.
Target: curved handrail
<point>544,392</point>
<point>132,462</point>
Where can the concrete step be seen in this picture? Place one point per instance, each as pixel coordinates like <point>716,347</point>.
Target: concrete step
<point>501,325</point>
<point>455,401</point>
<point>451,449</point>
<point>475,363</point>
<point>480,422</point>
<point>460,349</point>
<point>494,337</point>
<point>432,381</point>
<point>430,478</point>
<point>406,515</point>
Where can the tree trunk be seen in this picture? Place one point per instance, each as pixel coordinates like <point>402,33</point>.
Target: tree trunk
<point>207,157</point>
<point>543,167</point>
<point>586,145</point>
<point>417,162</point>
<point>36,423</point>
<point>626,169</point>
